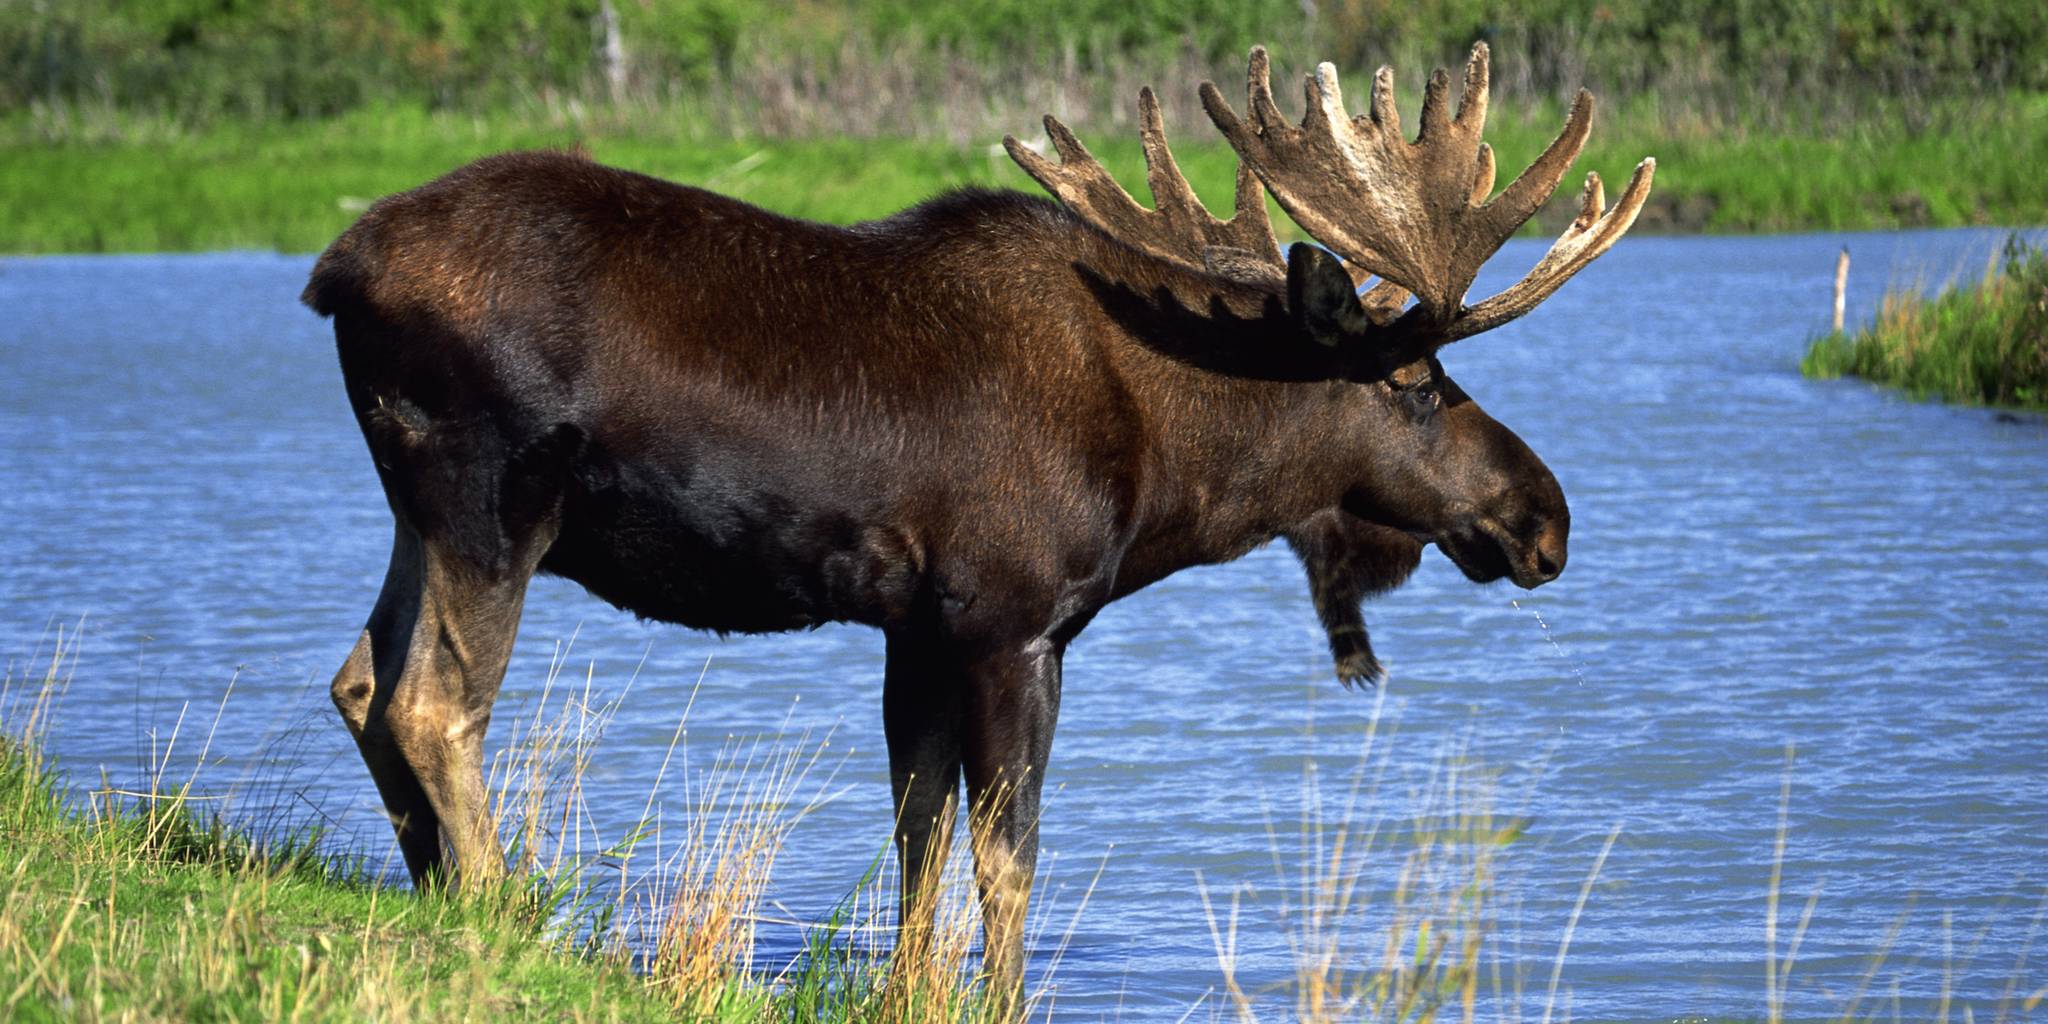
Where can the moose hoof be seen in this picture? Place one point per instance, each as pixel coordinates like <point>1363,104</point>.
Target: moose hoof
<point>1360,670</point>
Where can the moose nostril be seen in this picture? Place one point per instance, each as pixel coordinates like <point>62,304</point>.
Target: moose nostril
<point>1550,554</point>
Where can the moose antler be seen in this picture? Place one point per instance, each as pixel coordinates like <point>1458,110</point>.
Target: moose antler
<point>1417,214</point>
<point>1180,228</point>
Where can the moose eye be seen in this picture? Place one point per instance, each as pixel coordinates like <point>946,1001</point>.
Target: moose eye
<point>1421,396</point>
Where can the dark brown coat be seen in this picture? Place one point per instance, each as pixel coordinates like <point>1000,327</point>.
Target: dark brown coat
<point>971,425</point>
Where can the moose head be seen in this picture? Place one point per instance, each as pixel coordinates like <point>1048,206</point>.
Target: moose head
<point>1413,221</point>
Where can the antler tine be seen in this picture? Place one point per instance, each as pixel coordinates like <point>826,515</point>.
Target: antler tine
<point>1258,86</point>
<point>1478,78</point>
<point>1384,113</point>
<point>1435,106</point>
<point>1078,179</point>
<point>1178,227</point>
<point>1169,186</point>
<point>1536,184</point>
<point>1482,175</point>
<point>1591,233</point>
<point>1383,302</point>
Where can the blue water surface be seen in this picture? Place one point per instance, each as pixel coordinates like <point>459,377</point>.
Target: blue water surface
<point>1759,563</point>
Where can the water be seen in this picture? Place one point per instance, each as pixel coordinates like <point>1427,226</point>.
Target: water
<point>1758,561</point>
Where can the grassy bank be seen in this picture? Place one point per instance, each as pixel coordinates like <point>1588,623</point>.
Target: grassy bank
<point>131,185</point>
<point>144,906</point>
<point>148,916</point>
<point>147,913</point>
<point>1982,344</point>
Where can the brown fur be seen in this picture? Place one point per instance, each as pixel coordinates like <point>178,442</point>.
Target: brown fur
<point>1348,560</point>
<point>970,425</point>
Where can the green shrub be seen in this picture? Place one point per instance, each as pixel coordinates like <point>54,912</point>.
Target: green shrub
<point>1983,344</point>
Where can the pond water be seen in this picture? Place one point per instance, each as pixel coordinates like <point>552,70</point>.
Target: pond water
<point>1758,562</point>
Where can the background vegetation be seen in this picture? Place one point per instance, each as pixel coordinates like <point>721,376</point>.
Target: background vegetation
<point>152,124</point>
<point>1983,344</point>
<point>200,60</point>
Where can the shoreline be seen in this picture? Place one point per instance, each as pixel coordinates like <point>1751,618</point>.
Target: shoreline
<point>291,187</point>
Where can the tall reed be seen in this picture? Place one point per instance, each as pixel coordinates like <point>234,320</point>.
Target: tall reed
<point>1388,919</point>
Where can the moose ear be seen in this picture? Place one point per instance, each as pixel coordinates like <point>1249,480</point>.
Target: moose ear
<point>1321,295</point>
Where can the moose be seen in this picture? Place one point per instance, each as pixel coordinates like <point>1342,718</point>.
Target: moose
<point>971,425</point>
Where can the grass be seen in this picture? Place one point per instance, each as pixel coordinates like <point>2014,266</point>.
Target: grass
<point>293,187</point>
<point>140,907</point>
<point>113,182</point>
<point>1980,344</point>
<point>1419,949</point>
<point>145,906</point>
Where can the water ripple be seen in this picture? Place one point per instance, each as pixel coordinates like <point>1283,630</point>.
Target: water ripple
<point>1758,561</point>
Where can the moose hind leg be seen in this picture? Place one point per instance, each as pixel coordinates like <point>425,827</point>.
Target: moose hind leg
<point>362,691</point>
<point>418,689</point>
<point>417,693</point>
<point>441,707</point>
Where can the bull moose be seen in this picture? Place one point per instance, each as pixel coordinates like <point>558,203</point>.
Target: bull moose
<point>971,425</point>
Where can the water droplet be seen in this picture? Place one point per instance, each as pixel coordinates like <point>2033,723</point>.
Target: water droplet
<point>1554,645</point>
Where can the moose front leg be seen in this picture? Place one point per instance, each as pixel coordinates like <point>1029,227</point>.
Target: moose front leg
<point>1013,701</point>
<point>1348,560</point>
<point>921,714</point>
<point>991,715</point>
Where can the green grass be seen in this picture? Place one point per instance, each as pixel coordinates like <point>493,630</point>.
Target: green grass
<point>140,907</point>
<point>1982,344</point>
<point>145,907</point>
<point>149,914</point>
<point>1963,167</point>
<point>292,186</point>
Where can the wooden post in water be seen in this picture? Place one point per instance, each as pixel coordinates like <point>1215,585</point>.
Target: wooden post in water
<point>1841,285</point>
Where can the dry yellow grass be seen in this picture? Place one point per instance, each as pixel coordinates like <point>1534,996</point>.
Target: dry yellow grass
<point>1419,946</point>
